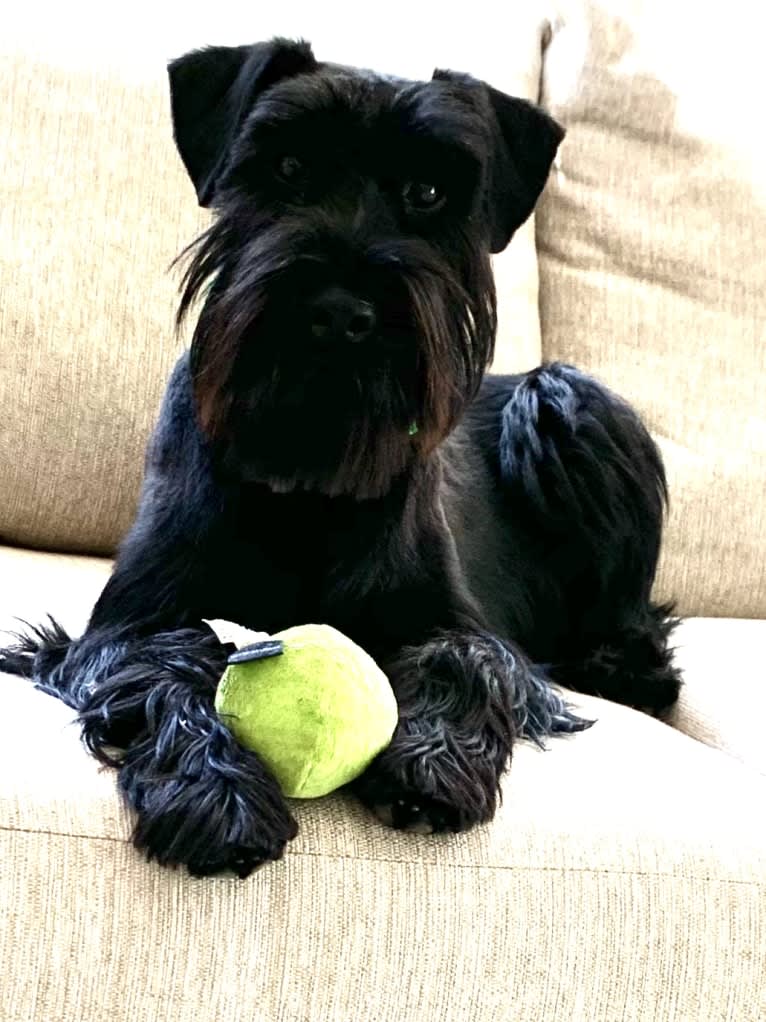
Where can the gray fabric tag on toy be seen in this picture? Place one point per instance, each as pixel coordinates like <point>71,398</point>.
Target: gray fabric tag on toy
<point>250,645</point>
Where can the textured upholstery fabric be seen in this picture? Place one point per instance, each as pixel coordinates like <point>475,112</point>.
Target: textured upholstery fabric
<point>624,878</point>
<point>390,933</point>
<point>95,208</point>
<point>652,247</point>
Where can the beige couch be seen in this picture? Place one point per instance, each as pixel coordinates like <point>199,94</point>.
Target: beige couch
<point>625,876</point>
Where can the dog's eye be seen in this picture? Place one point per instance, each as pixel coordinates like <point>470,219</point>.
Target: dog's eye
<point>423,197</point>
<point>291,169</point>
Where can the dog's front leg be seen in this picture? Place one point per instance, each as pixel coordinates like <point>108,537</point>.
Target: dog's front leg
<point>464,697</point>
<point>200,799</point>
<point>143,676</point>
<point>464,694</point>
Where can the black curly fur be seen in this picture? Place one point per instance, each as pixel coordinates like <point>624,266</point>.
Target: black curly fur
<point>463,700</point>
<point>146,708</point>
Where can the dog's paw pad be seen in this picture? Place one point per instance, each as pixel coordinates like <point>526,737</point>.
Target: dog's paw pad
<point>417,817</point>
<point>240,860</point>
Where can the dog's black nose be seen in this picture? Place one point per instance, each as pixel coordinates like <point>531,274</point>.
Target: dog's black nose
<point>338,314</point>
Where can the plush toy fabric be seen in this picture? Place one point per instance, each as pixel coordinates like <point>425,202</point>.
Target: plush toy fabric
<point>315,707</point>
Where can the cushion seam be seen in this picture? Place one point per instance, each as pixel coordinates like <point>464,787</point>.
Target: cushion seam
<point>439,865</point>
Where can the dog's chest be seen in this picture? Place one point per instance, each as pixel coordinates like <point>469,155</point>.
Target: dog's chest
<point>284,557</point>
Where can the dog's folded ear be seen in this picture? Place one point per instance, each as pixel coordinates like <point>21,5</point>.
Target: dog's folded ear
<point>211,93</point>
<point>524,143</point>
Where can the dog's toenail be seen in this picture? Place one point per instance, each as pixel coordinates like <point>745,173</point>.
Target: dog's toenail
<point>385,815</point>
<point>420,827</point>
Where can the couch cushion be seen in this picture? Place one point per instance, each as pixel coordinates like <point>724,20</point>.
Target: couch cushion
<point>96,205</point>
<point>36,584</point>
<point>723,701</point>
<point>95,208</point>
<point>624,876</point>
<point>652,240</point>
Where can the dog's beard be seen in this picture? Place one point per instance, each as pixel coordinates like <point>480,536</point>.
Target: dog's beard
<point>281,409</point>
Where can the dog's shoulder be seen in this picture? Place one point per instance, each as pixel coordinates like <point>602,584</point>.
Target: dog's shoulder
<point>176,443</point>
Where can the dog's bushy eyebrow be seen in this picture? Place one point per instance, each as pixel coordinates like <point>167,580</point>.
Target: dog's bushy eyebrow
<point>292,100</point>
<point>308,100</point>
<point>444,115</point>
<point>432,114</point>
<point>314,115</point>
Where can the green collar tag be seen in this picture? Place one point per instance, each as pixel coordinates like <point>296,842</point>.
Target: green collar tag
<point>413,428</point>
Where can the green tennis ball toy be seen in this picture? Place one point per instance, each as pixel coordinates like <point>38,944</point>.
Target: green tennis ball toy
<point>313,705</point>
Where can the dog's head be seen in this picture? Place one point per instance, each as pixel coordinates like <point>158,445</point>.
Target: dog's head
<point>349,308</point>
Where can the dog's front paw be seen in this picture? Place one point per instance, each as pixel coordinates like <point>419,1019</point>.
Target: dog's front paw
<point>429,787</point>
<point>212,815</point>
<point>400,807</point>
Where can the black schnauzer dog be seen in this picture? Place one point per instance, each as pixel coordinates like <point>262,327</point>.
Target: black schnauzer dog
<point>330,450</point>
